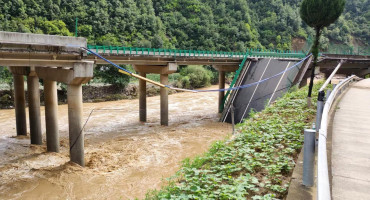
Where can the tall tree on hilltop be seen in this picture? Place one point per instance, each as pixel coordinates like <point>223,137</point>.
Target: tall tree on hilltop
<point>319,14</point>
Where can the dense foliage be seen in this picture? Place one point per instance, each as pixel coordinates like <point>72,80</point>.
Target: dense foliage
<point>319,14</point>
<point>194,77</point>
<point>108,74</point>
<point>186,24</point>
<point>256,165</point>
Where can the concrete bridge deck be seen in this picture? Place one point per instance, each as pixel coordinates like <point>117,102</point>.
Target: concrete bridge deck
<point>351,144</point>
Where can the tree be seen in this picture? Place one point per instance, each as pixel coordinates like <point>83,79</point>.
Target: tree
<point>319,14</point>
<point>109,74</point>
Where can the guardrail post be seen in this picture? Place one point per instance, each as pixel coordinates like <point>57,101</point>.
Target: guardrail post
<point>320,107</point>
<point>308,157</point>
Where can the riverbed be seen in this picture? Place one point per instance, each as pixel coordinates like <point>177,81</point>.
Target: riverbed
<point>124,157</point>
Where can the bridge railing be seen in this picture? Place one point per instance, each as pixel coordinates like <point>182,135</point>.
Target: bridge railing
<point>117,50</point>
<point>322,120</point>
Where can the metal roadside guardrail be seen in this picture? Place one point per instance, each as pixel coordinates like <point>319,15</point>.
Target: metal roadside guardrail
<point>322,120</point>
<point>323,187</point>
<point>195,53</point>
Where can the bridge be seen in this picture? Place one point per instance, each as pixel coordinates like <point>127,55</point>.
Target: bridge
<point>65,59</point>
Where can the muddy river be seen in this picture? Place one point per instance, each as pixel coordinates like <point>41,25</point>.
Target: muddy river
<point>124,158</point>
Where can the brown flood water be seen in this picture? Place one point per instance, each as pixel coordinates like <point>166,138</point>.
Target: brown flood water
<point>124,158</point>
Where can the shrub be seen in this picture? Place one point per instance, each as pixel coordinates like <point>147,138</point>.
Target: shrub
<point>109,74</point>
<point>194,77</point>
<point>6,77</point>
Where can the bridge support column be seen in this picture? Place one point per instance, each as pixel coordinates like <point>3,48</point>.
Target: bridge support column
<point>76,135</point>
<point>51,115</point>
<point>163,70</point>
<point>34,109</point>
<point>20,105</point>
<point>222,69</point>
<point>142,98</point>
<point>221,85</point>
<point>164,100</point>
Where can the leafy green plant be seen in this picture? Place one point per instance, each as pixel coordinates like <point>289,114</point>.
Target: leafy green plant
<point>194,77</point>
<point>256,164</point>
<point>6,77</point>
<point>109,74</point>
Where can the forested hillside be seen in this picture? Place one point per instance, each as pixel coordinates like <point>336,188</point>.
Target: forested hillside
<point>227,25</point>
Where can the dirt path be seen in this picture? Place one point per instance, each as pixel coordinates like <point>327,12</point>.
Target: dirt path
<point>124,158</point>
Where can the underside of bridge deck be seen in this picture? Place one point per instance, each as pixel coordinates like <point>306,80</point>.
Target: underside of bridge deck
<point>52,59</point>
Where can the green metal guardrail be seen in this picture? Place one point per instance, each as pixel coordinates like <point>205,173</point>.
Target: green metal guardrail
<point>195,53</point>
<point>237,73</point>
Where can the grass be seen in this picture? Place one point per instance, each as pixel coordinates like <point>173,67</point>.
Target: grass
<point>257,164</point>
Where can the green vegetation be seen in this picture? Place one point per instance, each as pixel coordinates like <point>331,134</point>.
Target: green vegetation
<point>319,14</point>
<point>256,165</point>
<point>110,75</point>
<point>6,77</point>
<point>195,77</point>
<point>222,25</point>
<point>218,25</point>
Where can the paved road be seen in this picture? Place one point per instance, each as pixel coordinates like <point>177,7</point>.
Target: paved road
<point>351,144</point>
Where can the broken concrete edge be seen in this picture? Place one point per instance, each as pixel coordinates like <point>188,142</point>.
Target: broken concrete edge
<point>41,39</point>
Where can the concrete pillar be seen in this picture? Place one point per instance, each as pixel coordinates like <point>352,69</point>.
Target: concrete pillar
<point>142,98</point>
<point>76,135</point>
<point>164,100</point>
<point>51,115</point>
<point>20,105</point>
<point>221,84</point>
<point>34,109</point>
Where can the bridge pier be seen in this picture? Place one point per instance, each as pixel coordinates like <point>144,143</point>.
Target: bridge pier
<point>33,86</point>
<point>76,135</point>
<point>164,71</point>
<point>51,115</point>
<point>222,69</point>
<point>164,100</point>
<point>221,85</point>
<point>74,76</point>
<point>142,98</point>
<point>20,105</point>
